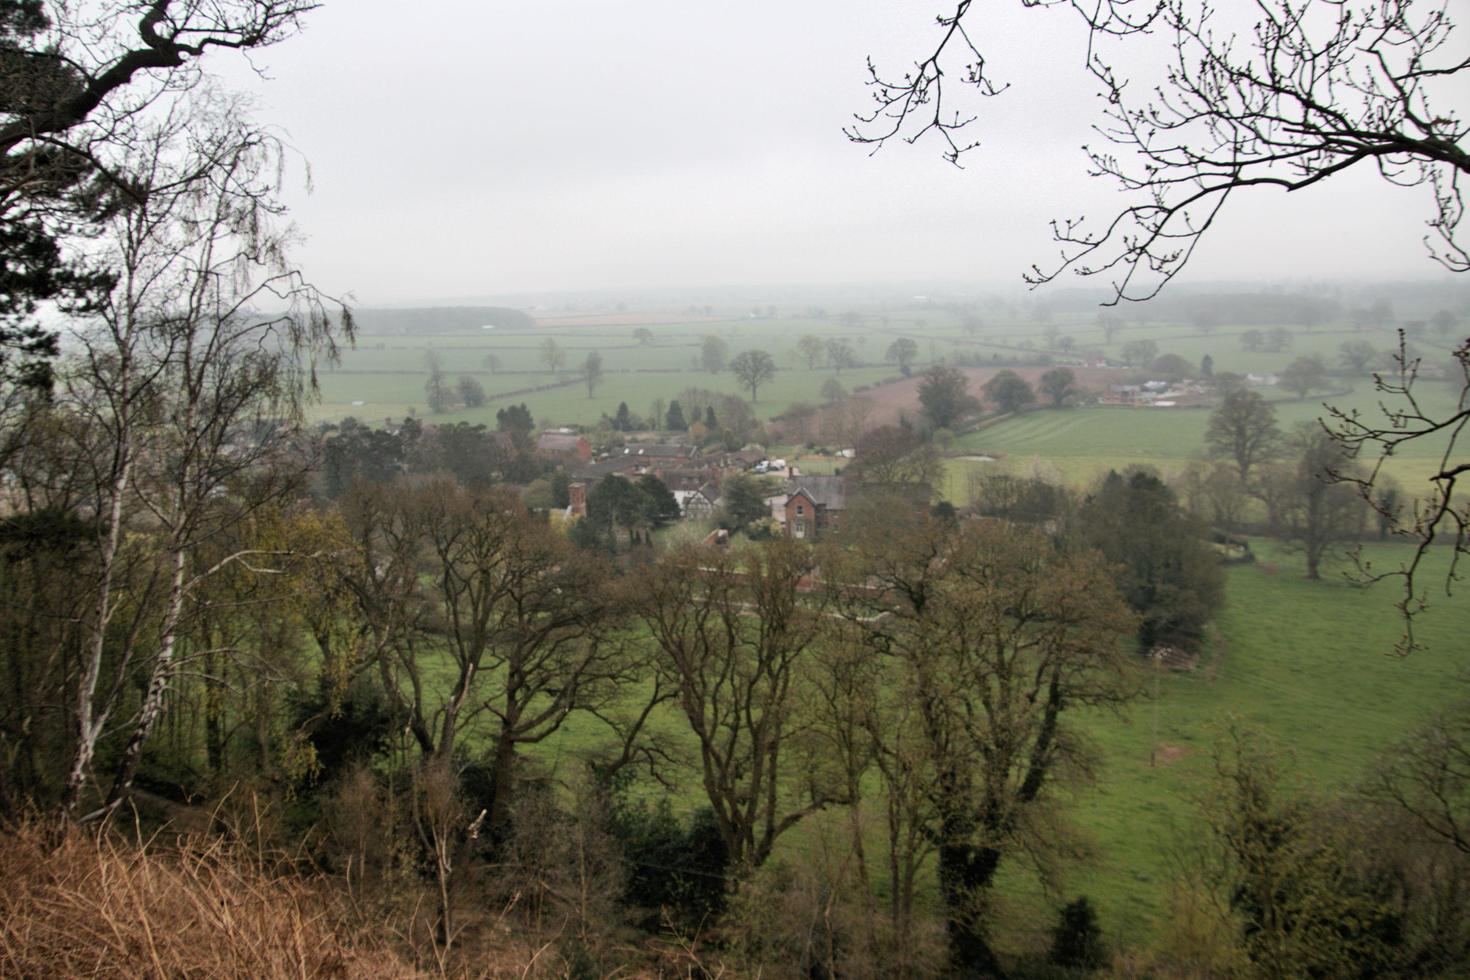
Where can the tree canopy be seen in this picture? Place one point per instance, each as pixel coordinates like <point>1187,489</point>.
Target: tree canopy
<point>944,393</point>
<point>753,368</point>
<point>1009,392</point>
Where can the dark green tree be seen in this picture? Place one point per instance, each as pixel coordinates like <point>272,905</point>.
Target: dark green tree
<point>614,502</point>
<point>944,393</point>
<point>357,452</point>
<point>1076,941</point>
<point>1059,385</point>
<point>561,492</point>
<point>674,420</point>
<point>743,501</point>
<point>1009,392</point>
<point>516,421</point>
<point>660,508</point>
<point>1169,574</point>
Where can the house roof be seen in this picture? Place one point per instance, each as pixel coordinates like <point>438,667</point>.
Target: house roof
<point>558,441</point>
<point>659,451</point>
<point>614,464</point>
<point>825,491</point>
<point>685,479</point>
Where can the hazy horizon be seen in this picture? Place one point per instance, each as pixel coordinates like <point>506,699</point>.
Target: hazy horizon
<point>536,149</point>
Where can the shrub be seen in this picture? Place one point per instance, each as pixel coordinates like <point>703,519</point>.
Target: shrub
<point>94,907</point>
<point>676,873</point>
<point>1077,940</point>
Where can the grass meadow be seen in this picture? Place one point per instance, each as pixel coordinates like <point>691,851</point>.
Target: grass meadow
<point>1311,663</point>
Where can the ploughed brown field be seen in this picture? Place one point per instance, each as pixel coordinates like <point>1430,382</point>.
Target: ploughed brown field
<point>902,397</point>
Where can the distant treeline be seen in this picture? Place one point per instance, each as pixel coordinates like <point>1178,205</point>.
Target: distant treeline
<point>441,319</point>
<point>1388,301</point>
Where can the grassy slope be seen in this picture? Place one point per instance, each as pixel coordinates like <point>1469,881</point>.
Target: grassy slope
<point>1307,661</point>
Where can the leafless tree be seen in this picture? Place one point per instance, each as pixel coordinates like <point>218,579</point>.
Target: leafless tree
<point>1243,429</point>
<point>1306,90</point>
<point>1309,504</point>
<point>735,639</point>
<point>1296,93</point>
<point>183,388</point>
<point>1440,516</point>
<point>988,637</point>
<point>448,576</point>
<point>1427,776</point>
<point>81,80</point>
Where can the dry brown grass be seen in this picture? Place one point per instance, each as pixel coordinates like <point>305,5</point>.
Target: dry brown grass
<point>99,907</point>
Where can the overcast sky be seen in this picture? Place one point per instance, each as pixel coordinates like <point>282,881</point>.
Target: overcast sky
<point>461,148</point>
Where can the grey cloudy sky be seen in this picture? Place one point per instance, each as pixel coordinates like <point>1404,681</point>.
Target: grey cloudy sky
<point>467,149</point>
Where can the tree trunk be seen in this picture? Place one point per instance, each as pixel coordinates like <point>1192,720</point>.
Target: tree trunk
<point>214,741</point>
<point>502,787</point>
<point>87,721</point>
<point>158,685</point>
<point>965,874</point>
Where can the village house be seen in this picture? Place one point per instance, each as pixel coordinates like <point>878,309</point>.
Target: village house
<point>809,506</point>
<point>565,444</point>
<point>699,504</point>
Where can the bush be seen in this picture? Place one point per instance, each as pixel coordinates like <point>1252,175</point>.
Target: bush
<point>1077,940</point>
<point>676,873</point>
<point>344,730</point>
<point>92,907</point>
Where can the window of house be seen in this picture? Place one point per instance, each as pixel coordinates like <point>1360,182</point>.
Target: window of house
<point>800,529</point>
<point>800,510</point>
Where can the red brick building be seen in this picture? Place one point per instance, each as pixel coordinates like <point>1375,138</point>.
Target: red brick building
<point>811,506</point>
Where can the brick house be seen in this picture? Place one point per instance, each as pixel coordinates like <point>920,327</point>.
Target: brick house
<point>810,506</point>
<point>568,445</point>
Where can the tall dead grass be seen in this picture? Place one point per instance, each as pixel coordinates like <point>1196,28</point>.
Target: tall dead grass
<point>100,907</point>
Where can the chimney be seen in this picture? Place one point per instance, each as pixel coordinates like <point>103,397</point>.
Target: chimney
<point>578,494</point>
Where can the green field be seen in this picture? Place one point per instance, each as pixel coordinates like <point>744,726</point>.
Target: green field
<point>386,374</point>
<point>1310,663</point>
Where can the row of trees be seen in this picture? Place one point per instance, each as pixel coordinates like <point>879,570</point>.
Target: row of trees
<point>1306,480</point>
<point>456,611</point>
<point>918,672</point>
